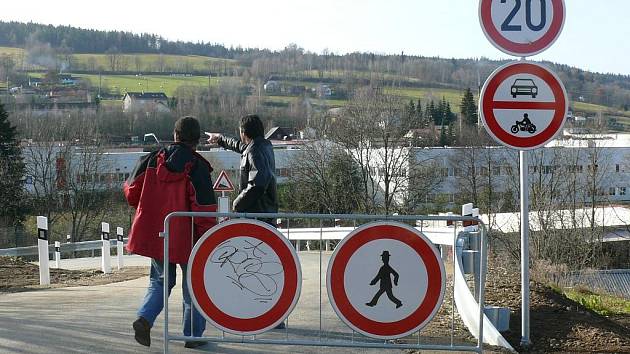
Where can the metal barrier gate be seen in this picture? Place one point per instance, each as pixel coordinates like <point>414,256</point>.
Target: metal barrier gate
<point>352,339</point>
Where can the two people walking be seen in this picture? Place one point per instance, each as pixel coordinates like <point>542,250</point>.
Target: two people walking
<point>177,178</point>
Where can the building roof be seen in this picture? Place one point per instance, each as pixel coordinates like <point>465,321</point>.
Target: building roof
<point>614,216</point>
<point>146,95</point>
<point>278,130</point>
<point>567,139</point>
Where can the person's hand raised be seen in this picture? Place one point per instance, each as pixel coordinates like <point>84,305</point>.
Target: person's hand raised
<point>213,138</point>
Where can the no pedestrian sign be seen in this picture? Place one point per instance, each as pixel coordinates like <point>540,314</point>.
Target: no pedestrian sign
<point>244,277</point>
<point>523,105</point>
<point>522,27</point>
<point>385,280</point>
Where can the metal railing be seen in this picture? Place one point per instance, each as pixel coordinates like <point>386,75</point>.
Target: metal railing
<point>354,336</point>
<point>65,247</point>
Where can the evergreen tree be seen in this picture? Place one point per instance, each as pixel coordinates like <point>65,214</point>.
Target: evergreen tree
<point>431,113</point>
<point>443,136</point>
<point>409,119</point>
<point>420,116</point>
<point>468,108</point>
<point>11,174</point>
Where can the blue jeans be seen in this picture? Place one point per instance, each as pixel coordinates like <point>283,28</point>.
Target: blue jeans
<point>153,302</point>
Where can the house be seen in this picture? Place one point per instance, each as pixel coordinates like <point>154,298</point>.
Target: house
<point>272,86</point>
<point>145,102</point>
<point>323,91</point>
<point>34,81</point>
<point>68,80</point>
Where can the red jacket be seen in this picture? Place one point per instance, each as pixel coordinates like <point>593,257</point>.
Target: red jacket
<point>175,178</point>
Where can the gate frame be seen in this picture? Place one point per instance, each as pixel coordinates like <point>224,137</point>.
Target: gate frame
<point>319,343</point>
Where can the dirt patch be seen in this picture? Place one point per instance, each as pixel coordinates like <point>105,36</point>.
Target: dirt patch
<point>17,275</point>
<point>557,324</point>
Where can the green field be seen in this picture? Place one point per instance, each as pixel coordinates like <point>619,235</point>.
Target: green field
<point>14,52</point>
<point>588,107</point>
<point>119,84</point>
<point>153,62</point>
<point>328,103</point>
<point>138,62</point>
<point>454,97</point>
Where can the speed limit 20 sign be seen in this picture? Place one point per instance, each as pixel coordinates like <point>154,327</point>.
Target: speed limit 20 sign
<point>522,27</point>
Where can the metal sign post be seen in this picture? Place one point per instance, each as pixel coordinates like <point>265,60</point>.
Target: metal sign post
<point>223,184</point>
<point>223,206</point>
<point>524,248</point>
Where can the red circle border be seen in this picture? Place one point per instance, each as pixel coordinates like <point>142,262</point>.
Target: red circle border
<point>435,288</point>
<point>522,49</point>
<point>240,228</point>
<point>487,100</point>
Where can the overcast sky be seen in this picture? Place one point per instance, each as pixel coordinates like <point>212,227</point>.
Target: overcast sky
<point>596,34</point>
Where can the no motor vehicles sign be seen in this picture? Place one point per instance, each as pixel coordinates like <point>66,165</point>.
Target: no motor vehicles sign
<point>244,276</point>
<point>385,280</point>
<point>523,105</point>
<point>522,27</point>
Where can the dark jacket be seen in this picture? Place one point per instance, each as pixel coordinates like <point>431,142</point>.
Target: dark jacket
<point>175,178</point>
<point>258,193</point>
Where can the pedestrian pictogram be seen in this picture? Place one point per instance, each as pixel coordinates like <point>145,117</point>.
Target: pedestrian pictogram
<point>523,105</point>
<point>245,277</point>
<point>385,280</point>
<point>522,27</point>
<point>223,183</point>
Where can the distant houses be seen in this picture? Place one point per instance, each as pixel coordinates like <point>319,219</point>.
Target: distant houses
<point>145,102</point>
<point>274,87</point>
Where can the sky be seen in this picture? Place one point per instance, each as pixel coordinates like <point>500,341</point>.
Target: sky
<point>596,34</point>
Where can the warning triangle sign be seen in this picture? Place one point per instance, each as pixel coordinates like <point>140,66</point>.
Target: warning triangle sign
<point>223,183</point>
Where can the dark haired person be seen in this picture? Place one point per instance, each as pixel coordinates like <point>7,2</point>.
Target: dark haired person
<point>258,167</point>
<point>258,192</point>
<point>175,178</point>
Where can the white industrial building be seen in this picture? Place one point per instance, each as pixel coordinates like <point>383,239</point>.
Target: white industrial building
<point>607,157</point>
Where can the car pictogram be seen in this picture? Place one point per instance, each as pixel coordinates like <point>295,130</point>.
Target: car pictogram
<point>524,87</point>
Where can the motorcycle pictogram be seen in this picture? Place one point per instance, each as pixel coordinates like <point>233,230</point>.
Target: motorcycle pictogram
<point>525,126</point>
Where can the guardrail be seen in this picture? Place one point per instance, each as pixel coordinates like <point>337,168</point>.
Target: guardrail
<point>65,247</point>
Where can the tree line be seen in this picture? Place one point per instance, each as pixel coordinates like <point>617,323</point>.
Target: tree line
<point>18,34</point>
<point>295,63</point>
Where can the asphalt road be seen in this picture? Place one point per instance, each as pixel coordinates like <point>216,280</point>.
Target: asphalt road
<point>97,319</point>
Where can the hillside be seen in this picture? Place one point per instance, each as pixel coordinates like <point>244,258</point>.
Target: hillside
<point>141,62</point>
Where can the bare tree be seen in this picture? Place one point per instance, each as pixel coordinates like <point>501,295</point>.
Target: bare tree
<point>86,192</point>
<point>161,63</point>
<point>44,159</point>
<point>113,58</point>
<point>324,179</point>
<point>137,61</point>
<point>69,175</point>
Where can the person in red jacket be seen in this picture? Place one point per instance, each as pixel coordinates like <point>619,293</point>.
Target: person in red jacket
<point>175,178</point>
